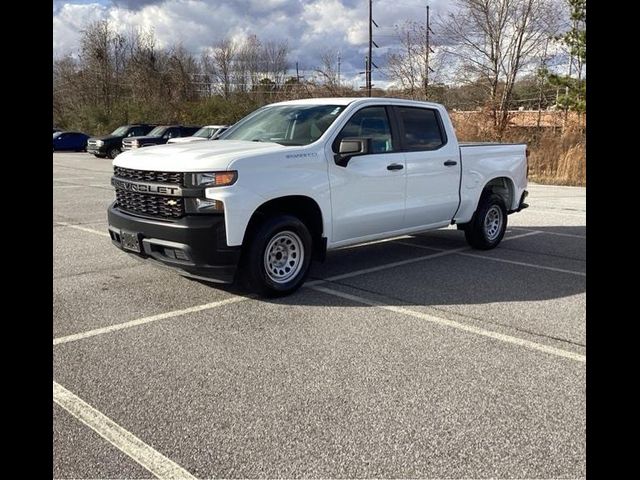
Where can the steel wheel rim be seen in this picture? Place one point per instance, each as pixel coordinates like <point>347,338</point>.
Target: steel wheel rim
<point>493,222</point>
<point>283,257</point>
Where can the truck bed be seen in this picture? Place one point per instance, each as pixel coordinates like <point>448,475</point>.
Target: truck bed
<point>482,161</point>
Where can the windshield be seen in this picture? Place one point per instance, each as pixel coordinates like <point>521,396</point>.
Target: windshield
<point>204,132</point>
<point>157,132</point>
<point>285,124</point>
<point>120,131</point>
<point>57,134</point>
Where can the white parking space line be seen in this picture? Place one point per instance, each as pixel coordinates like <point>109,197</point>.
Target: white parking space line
<point>386,266</point>
<point>503,260</point>
<point>570,235</point>
<point>561,213</point>
<point>68,186</point>
<point>123,440</point>
<point>144,320</point>
<point>460,326</point>
<point>524,264</point>
<point>84,229</point>
<point>63,179</point>
<point>207,306</point>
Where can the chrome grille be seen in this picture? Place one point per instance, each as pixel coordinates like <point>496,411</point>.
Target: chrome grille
<point>173,178</point>
<point>150,205</point>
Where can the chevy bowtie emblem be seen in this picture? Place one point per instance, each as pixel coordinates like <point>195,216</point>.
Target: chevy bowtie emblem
<point>172,202</point>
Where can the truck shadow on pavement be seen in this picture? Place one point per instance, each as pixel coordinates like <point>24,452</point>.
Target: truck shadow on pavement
<point>543,263</point>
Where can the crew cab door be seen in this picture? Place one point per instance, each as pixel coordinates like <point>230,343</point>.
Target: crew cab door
<point>433,167</point>
<point>368,194</point>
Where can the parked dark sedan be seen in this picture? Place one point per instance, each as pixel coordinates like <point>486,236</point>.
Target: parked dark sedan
<point>74,141</point>
<point>159,136</point>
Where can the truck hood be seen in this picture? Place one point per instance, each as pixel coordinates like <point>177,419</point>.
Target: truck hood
<point>106,137</point>
<point>194,156</point>
<point>144,139</point>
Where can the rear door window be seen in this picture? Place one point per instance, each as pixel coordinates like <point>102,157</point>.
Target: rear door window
<point>421,128</point>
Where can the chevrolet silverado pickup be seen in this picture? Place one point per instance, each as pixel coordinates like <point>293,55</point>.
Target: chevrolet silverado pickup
<point>111,145</point>
<point>159,136</point>
<point>296,179</point>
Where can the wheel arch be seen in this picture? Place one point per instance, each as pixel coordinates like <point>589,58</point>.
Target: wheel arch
<point>301,206</point>
<point>503,186</point>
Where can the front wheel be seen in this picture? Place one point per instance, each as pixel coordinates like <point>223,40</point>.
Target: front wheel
<point>278,257</point>
<point>113,153</point>
<point>489,222</point>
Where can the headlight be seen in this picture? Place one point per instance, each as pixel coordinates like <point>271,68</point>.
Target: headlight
<point>214,179</point>
<point>134,143</point>
<point>99,143</point>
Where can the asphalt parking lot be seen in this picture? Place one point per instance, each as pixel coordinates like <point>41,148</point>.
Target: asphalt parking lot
<point>416,357</point>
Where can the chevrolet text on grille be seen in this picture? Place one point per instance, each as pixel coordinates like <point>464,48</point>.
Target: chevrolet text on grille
<point>152,188</point>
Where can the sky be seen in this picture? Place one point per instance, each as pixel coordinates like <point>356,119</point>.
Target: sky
<point>310,27</point>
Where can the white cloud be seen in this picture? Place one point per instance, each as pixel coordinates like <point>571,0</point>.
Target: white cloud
<point>68,21</point>
<point>309,26</point>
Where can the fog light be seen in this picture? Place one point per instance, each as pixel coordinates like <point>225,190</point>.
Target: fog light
<point>209,205</point>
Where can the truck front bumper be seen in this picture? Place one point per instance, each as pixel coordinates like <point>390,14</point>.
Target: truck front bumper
<point>194,245</point>
<point>97,150</point>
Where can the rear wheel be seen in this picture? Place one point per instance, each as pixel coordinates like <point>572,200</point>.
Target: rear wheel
<point>278,257</point>
<point>99,155</point>
<point>489,222</point>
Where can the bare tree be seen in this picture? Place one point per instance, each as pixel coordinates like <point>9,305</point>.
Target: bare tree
<point>143,68</point>
<point>328,71</point>
<point>224,57</point>
<point>403,65</point>
<point>494,40</point>
<point>275,57</point>
<point>181,75</point>
<point>103,55</point>
<point>248,64</point>
<point>408,65</point>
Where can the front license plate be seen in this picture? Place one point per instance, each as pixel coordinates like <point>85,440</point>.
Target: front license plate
<point>130,241</point>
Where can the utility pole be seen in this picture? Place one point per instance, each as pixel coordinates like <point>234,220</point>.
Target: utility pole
<point>338,69</point>
<point>297,73</point>
<point>427,49</point>
<point>370,64</point>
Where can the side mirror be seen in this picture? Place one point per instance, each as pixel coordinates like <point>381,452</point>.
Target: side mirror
<point>351,147</point>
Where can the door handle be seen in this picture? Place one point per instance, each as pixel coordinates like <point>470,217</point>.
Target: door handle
<point>450,163</point>
<point>395,166</point>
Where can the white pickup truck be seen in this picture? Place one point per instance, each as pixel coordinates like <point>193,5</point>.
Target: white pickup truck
<point>295,179</point>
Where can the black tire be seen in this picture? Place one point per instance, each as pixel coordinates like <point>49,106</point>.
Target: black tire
<point>99,155</point>
<point>278,229</point>
<point>113,152</point>
<point>489,222</point>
